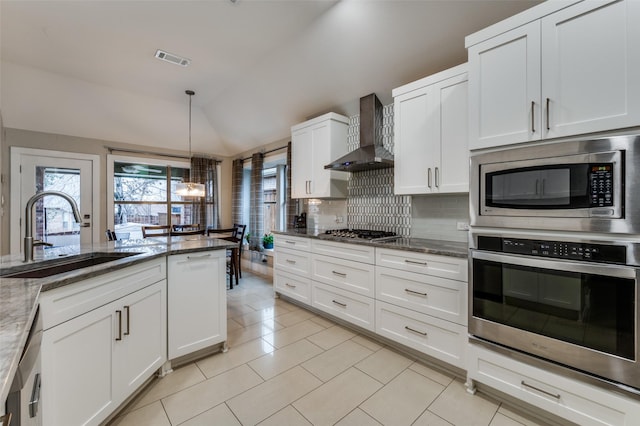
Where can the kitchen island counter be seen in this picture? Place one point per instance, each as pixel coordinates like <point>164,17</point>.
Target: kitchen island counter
<point>19,296</point>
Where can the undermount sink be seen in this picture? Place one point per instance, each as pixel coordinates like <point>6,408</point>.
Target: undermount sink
<point>54,267</point>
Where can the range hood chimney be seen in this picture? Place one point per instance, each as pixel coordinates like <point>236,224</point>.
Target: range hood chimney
<point>371,154</point>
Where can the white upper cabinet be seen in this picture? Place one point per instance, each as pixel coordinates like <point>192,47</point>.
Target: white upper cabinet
<point>569,71</point>
<point>430,131</point>
<point>314,144</point>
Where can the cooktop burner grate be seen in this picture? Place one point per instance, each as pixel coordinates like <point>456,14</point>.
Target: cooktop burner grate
<point>365,234</point>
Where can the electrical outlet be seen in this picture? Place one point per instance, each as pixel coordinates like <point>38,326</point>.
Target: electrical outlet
<point>339,219</point>
<point>462,226</point>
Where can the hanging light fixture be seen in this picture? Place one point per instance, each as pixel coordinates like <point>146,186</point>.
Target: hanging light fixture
<point>190,189</point>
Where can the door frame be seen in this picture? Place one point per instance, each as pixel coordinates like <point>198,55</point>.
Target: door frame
<point>15,157</point>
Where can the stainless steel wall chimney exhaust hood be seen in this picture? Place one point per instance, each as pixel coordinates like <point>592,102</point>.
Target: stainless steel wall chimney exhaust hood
<point>371,154</point>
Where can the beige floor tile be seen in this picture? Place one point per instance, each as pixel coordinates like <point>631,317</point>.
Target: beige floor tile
<point>176,381</point>
<point>336,398</point>
<point>152,414</point>
<point>502,420</point>
<point>331,337</point>
<point>367,343</point>
<point>519,417</point>
<point>236,310</point>
<point>295,317</point>
<point>286,336</point>
<point>403,399</point>
<point>384,365</point>
<point>262,401</point>
<point>330,363</point>
<point>242,335</point>
<point>322,321</point>
<point>357,418</point>
<point>270,365</point>
<point>432,373</point>
<point>430,419</point>
<point>234,357</point>
<point>232,325</point>
<point>268,302</point>
<point>459,407</point>
<point>206,395</point>
<point>255,316</point>
<point>288,416</point>
<point>218,416</point>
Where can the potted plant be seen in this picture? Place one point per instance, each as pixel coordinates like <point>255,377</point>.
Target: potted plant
<point>267,241</point>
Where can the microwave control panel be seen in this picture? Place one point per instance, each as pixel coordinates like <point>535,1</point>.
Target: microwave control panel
<point>601,184</point>
<point>605,253</point>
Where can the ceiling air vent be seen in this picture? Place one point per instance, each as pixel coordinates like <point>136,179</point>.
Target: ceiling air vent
<point>174,59</point>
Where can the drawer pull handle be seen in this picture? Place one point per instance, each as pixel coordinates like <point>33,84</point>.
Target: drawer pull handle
<point>290,285</point>
<point>126,309</point>
<point>552,395</point>
<point>344,305</point>
<point>408,290</point>
<point>291,261</point>
<point>290,242</point>
<point>422,333</point>
<point>413,262</point>
<point>340,274</point>
<point>204,256</point>
<point>119,314</point>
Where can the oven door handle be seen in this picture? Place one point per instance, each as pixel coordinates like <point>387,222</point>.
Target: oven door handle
<point>558,265</point>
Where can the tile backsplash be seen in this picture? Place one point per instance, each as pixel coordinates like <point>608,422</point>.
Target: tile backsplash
<point>372,205</point>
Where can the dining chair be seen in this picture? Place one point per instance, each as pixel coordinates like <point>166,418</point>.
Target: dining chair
<point>240,230</point>
<point>185,227</point>
<point>156,231</point>
<point>228,234</point>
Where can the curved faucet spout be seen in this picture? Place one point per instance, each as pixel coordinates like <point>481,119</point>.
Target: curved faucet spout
<point>28,217</point>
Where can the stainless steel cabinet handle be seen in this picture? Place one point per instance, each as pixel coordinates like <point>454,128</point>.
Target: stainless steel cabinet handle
<point>340,274</point>
<point>413,262</point>
<point>408,290</point>
<point>290,285</point>
<point>126,309</point>
<point>422,333</point>
<point>35,397</point>
<point>437,173</point>
<point>429,177</point>
<point>533,117</point>
<point>291,261</point>
<point>552,395</point>
<point>344,305</point>
<point>290,242</point>
<point>204,256</point>
<point>119,314</point>
<point>548,124</point>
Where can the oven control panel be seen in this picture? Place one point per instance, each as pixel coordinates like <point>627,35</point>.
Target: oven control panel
<point>601,184</point>
<point>589,252</point>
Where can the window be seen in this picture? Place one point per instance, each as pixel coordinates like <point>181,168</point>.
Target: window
<point>144,194</point>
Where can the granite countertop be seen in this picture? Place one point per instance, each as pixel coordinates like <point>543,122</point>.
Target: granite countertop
<point>19,296</point>
<point>422,245</point>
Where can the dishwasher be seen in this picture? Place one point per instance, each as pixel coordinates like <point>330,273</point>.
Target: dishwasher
<point>23,402</point>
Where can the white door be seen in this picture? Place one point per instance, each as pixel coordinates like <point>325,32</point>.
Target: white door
<point>53,222</point>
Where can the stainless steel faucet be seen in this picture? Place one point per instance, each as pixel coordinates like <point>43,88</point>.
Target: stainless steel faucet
<point>29,242</point>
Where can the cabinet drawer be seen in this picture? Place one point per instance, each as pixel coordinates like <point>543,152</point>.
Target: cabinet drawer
<point>296,262</point>
<point>357,252</point>
<point>293,286</point>
<point>63,303</point>
<point>440,339</point>
<point>440,297</point>
<point>568,398</point>
<point>453,268</point>
<point>345,274</point>
<point>289,242</point>
<point>355,308</point>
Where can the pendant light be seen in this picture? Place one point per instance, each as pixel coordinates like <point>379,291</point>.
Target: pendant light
<point>190,189</point>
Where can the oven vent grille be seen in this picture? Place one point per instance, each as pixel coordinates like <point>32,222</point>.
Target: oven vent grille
<point>174,59</point>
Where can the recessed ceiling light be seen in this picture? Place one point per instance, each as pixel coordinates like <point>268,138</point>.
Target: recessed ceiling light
<point>174,59</point>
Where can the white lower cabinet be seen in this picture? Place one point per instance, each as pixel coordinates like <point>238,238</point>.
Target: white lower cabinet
<point>196,302</point>
<point>433,336</point>
<point>93,362</point>
<point>345,274</point>
<point>298,288</point>
<point>346,305</point>
<point>573,400</point>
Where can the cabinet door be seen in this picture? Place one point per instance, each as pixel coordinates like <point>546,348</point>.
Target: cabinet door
<point>320,181</point>
<point>591,64</point>
<point>452,175</point>
<point>415,134</point>
<point>301,157</point>
<point>197,314</point>
<point>142,349</point>
<point>504,88</point>
<point>77,362</point>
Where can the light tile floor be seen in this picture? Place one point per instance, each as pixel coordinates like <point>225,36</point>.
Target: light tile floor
<point>288,366</point>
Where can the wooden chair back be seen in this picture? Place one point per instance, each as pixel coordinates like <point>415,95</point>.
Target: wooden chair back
<point>156,231</point>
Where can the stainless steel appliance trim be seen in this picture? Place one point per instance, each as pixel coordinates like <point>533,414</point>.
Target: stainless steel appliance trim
<point>557,265</point>
<point>34,401</point>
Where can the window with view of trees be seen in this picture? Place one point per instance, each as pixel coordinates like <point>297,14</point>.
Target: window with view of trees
<point>144,194</point>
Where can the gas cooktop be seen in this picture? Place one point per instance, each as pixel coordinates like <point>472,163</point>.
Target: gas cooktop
<point>364,234</point>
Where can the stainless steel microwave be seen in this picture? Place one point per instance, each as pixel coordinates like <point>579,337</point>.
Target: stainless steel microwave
<point>580,185</point>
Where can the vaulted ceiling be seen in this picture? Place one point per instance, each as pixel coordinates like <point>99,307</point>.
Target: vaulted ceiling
<point>87,68</point>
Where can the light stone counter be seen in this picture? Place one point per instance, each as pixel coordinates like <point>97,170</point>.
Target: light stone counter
<point>19,296</point>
